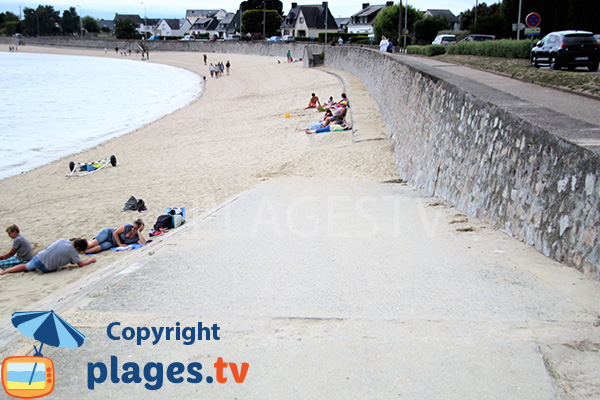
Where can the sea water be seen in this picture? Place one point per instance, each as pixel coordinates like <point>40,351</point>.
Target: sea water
<point>53,105</point>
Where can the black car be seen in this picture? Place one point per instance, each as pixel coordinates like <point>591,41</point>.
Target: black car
<point>567,49</point>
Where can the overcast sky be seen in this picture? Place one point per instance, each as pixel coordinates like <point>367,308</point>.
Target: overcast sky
<point>176,8</point>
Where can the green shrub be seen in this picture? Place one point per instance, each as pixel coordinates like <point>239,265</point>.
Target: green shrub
<point>419,50</point>
<point>435,50</point>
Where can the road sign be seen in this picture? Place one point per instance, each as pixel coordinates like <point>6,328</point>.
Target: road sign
<point>405,31</point>
<point>521,26</point>
<point>533,31</point>
<point>533,20</point>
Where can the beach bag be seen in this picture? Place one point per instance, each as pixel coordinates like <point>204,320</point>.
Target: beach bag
<point>177,215</point>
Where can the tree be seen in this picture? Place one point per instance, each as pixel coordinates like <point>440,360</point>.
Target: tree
<point>90,24</point>
<point>386,22</point>
<point>9,23</point>
<point>125,27</point>
<point>489,19</point>
<point>70,22</point>
<point>427,29</point>
<point>258,5</point>
<point>42,21</point>
<point>252,22</point>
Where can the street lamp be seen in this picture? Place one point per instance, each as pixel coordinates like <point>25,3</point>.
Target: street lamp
<point>145,17</point>
<point>80,23</point>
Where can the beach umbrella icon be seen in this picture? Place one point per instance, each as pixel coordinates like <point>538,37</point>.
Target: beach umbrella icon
<point>48,328</point>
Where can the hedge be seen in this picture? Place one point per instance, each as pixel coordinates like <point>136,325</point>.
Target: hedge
<point>505,48</point>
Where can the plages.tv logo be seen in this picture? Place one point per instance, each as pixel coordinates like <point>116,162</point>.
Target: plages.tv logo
<point>31,377</point>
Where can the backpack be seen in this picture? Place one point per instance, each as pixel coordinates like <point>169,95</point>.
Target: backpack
<point>164,221</point>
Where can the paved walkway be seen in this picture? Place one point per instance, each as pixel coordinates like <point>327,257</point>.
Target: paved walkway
<point>337,289</point>
<point>570,116</point>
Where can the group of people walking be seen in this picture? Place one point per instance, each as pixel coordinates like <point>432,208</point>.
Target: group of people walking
<point>216,70</point>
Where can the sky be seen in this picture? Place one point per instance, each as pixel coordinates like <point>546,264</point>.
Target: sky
<point>106,9</point>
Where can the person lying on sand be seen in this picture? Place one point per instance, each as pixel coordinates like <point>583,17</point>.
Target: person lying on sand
<point>314,100</point>
<point>329,128</point>
<point>120,237</point>
<point>59,253</point>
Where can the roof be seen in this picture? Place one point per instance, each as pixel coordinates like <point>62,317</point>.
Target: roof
<point>369,11</point>
<point>135,18</point>
<point>173,23</point>
<point>451,18</point>
<point>201,13</point>
<point>314,16</point>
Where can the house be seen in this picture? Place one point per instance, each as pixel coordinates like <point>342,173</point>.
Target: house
<point>224,24</point>
<point>362,21</point>
<point>193,15</point>
<point>108,25</point>
<point>235,25</point>
<point>342,24</point>
<point>308,20</point>
<point>205,25</point>
<point>172,27</point>
<point>453,22</point>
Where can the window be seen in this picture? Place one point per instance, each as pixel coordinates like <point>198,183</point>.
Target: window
<point>301,20</point>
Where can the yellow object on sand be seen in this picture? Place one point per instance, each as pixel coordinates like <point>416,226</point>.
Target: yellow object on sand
<point>287,115</point>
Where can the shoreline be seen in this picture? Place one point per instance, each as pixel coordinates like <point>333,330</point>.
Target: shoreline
<point>87,142</point>
<point>232,137</point>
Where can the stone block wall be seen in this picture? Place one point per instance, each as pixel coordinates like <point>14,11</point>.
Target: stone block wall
<point>485,161</point>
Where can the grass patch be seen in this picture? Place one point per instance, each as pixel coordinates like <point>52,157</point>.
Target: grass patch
<point>577,81</point>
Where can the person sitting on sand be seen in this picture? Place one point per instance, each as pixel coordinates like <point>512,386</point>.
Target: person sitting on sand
<point>20,252</point>
<point>338,115</point>
<point>59,253</point>
<point>120,237</point>
<point>342,126</point>
<point>314,100</point>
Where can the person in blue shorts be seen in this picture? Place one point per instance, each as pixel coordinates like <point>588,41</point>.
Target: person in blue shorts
<point>20,252</point>
<point>120,237</point>
<point>59,253</point>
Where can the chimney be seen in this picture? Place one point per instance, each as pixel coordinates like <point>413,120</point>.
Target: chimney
<point>389,3</point>
<point>365,5</point>
<point>294,5</point>
<point>325,4</point>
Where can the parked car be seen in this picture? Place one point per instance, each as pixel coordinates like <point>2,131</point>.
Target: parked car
<point>597,36</point>
<point>289,38</point>
<point>154,37</point>
<point>18,36</point>
<point>570,49</point>
<point>274,39</point>
<point>477,37</point>
<point>232,37</point>
<point>189,37</point>
<point>444,39</point>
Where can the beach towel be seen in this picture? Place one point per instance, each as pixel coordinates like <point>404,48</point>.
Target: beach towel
<point>130,246</point>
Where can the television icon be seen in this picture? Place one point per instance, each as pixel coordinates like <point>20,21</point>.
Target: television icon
<point>28,377</point>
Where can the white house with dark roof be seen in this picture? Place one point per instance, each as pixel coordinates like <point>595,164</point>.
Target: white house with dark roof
<point>308,20</point>
<point>193,15</point>
<point>172,27</point>
<point>453,21</point>
<point>362,21</point>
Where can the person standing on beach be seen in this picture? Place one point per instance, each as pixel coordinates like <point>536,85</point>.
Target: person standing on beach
<point>21,251</point>
<point>59,253</point>
<point>289,56</point>
<point>227,66</point>
<point>205,59</point>
<point>212,70</point>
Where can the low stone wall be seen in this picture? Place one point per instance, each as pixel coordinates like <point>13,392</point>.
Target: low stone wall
<point>485,161</point>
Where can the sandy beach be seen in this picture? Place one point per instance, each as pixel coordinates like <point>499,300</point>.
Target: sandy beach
<point>233,137</point>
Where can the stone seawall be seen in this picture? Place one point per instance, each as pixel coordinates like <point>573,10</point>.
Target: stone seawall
<point>484,160</point>
<point>478,157</point>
